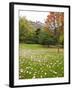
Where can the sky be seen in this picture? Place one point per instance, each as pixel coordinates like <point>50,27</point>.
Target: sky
<point>34,15</point>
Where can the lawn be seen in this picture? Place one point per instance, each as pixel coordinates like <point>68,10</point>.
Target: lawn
<point>36,61</point>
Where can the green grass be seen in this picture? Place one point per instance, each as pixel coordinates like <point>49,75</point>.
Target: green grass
<point>35,61</point>
<point>30,46</point>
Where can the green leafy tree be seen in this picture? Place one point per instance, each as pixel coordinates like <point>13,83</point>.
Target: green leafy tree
<point>26,31</point>
<point>45,38</point>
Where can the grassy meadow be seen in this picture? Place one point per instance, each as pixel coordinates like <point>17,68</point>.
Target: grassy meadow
<point>36,61</point>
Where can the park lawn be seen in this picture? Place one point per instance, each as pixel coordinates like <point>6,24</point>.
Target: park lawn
<point>36,61</point>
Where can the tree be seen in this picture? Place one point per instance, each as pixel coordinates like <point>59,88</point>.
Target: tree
<point>55,20</point>
<point>45,38</point>
<point>26,31</point>
<point>55,25</point>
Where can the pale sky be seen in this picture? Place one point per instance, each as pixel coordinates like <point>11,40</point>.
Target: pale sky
<point>34,15</point>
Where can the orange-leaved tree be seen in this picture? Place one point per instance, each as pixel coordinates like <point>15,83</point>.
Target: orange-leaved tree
<point>55,25</point>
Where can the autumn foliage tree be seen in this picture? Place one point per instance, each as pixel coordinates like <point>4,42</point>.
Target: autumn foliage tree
<point>55,22</point>
<point>55,25</point>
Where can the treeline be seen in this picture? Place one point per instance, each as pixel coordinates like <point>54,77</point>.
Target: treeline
<point>49,34</point>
